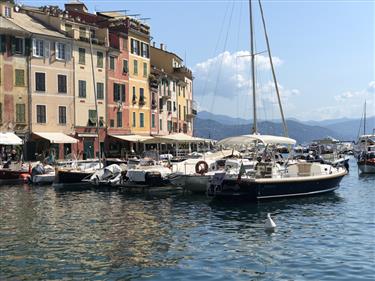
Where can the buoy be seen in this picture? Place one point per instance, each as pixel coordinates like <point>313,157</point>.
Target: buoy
<point>269,225</point>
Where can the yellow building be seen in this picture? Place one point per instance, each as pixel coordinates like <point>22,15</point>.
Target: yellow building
<point>178,110</point>
<point>139,70</point>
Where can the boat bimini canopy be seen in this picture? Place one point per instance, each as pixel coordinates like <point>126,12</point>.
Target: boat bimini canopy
<point>246,140</point>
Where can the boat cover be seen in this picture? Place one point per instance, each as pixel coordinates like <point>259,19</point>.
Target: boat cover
<point>249,139</point>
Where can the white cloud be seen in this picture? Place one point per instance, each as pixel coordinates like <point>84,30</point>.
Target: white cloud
<point>349,104</point>
<point>228,74</point>
<point>223,85</point>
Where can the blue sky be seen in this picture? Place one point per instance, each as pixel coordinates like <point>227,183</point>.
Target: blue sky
<point>324,53</point>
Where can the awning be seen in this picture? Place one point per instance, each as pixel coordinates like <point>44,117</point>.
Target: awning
<point>87,135</point>
<point>133,138</point>
<point>249,139</point>
<point>8,138</point>
<point>179,138</point>
<point>56,137</point>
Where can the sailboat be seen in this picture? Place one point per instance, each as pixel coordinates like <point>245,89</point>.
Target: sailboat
<point>366,150</point>
<point>271,177</point>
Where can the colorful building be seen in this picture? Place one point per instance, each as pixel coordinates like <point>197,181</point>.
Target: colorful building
<point>50,88</point>
<point>14,55</point>
<point>176,106</point>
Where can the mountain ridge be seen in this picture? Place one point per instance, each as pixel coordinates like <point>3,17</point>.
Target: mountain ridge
<point>210,125</point>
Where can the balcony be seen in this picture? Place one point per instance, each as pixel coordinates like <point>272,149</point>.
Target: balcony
<point>154,105</point>
<point>142,101</point>
<point>167,95</point>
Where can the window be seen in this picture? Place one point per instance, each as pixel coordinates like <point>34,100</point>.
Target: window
<point>20,113</point>
<point>141,94</point>
<point>134,98</point>
<point>1,113</point>
<point>135,67</point>
<point>82,32</point>
<point>40,82</point>
<point>38,48</point>
<point>41,114</point>
<point>119,119</point>
<point>135,47</point>
<point>100,90</point>
<point>92,118</point>
<point>20,77</point>
<point>153,120</point>
<point>125,66</point>
<point>124,44</point>
<point>184,113</point>
<point>60,51</point>
<point>174,86</point>
<point>118,92</point>
<point>174,106</point>
<point>18,44</point>
<point>7,12</point>
<point>99,59</point>
<point>82,88</point>
<point>144,69</point>
<point>93,33</point>
<point>62,115</point>
<point>141,120</point>
<point>169,126</point>
<point>61,84</point>
<point>179,111</point>
<point>169,106</point>
<point>68,27</point>
<point>112,63</point>
<point>161,124</point>
<point>112,123</point>
<point>134,120</point>
<point>145,51</point>
<point>82,54</point>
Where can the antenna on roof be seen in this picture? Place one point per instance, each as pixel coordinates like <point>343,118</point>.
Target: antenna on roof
<point>144,19</point>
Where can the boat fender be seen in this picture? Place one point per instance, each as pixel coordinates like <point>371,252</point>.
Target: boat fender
<point>201,167</point>
<point>25,177</point>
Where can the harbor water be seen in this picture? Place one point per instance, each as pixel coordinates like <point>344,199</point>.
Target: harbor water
<point>91,235</point>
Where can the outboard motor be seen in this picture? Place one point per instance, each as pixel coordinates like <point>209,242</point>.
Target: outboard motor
<point>153,178</point>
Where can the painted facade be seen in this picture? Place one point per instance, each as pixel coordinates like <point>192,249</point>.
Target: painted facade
<point>139,70</point>
<point>140,90</point>
<point>14,54</point>
<point>176,107</point>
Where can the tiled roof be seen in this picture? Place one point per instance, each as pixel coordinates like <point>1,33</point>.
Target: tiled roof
<point>29,24</point>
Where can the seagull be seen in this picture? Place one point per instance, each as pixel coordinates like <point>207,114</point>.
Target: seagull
<point>269,225</point>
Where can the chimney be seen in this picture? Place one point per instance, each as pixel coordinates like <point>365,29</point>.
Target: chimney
<point>76,6</point>
<point>162,47</point>
<point>153,44</point>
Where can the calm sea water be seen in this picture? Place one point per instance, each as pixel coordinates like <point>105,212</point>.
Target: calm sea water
<point>106,236</point>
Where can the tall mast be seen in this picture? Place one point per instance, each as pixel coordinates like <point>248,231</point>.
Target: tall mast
<point>273,71</point>
<point>364,120</point>
<point>255,128</point>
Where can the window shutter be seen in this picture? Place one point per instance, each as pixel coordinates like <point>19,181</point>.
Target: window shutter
<point>34,47</point>
<point>2,43</point>
<point>46,49</point>
<point>13,42</point>
<point>68,52</point>
<point>123,93</point>
<point>27,46</point>
<point>56,50</point>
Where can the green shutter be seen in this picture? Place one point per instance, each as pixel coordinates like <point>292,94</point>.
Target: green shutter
<point>28,46</point>
<point>2,43</point>
<point>13,48</point>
